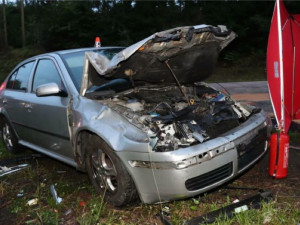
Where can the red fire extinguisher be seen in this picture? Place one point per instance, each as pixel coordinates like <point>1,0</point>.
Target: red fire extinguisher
<point>279,155</point>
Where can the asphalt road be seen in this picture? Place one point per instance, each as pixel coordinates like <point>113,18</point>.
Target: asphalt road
<point>255,92</point>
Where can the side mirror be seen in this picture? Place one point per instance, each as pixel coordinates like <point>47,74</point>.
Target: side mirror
<point>50,89</point>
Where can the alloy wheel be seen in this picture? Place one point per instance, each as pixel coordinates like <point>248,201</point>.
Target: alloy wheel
<point>104,171</point>
<point>7,136</point>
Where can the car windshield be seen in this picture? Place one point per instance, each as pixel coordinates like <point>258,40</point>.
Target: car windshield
<point>74,62</point>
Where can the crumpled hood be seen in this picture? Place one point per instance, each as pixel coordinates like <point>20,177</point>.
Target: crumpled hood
<point>191,53</point>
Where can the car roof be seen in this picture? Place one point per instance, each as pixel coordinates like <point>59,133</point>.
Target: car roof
<point>83,49</point>
<point>67,51</point>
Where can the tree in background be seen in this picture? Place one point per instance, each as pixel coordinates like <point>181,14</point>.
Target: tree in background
<point>22,22</point>
<point>54,25</point>
<point>5,45</point>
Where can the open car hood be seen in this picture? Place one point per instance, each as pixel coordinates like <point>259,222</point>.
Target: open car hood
<point>188,54</point>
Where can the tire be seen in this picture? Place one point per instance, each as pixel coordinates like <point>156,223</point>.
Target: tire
<point>108,174</point>
<point>9,137</point>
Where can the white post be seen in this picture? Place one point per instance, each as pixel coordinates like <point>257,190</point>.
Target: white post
<point>282,120</point>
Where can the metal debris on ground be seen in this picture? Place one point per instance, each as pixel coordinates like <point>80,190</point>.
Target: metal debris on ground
<point>60,171</point>
<point>57,199</point>
<point>32,202</point>
<point>166,209</point>
<point>164,217</point>
<point>20,194</point>
<point>253,202</point>
<point>4,170</point>
<point>69,211</point>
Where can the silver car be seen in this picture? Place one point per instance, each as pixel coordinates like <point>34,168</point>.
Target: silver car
<point>138,120</point>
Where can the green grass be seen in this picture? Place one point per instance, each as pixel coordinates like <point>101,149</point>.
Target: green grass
<point>75,187</point>
<point>236,67</point>
<point>3,153</point>
<point>294,137</point>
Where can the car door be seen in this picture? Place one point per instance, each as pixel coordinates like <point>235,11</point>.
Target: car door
<point>46,117</point>
<point>14,98</point>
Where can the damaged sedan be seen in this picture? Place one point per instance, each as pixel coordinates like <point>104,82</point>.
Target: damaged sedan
<point>139,120</point>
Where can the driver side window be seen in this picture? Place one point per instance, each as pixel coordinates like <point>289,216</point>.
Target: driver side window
<point>46,72</point>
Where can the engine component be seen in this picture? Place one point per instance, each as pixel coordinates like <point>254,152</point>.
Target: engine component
<point>170,122</point>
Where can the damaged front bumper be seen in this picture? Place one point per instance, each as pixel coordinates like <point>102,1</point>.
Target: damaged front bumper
<point>186,172</point>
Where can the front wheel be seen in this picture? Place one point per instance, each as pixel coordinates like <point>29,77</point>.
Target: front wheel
<point>108,174</point>
<point>9,138</point>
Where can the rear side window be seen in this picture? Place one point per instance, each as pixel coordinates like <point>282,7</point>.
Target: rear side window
<point>19,79</point>
<point>45,73</point>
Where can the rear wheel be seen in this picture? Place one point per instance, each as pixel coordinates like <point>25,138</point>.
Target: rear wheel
<point>108,174</point>
<point>9,138</point>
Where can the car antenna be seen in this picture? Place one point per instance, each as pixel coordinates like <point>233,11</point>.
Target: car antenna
<point>179,85</point>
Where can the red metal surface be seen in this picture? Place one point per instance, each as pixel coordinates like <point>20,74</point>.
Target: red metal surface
<point>291,71</point>
<point>279,155</point>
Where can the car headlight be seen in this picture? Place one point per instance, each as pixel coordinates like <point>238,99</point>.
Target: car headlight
<point>164,165</point>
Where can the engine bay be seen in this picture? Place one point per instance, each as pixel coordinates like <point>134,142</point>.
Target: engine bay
<point>173,120</point>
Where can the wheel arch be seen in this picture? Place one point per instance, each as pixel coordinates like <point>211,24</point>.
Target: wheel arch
<point>2,119</point>
<point>81,138</point>
<point>80,148</point>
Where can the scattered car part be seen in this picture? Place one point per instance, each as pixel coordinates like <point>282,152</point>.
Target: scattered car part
<point>69,211</point>
<point>32,202</point>
<point>20,194</point>
<point>164,217</point>
<point>8,170</point>
<point>53,192</point>
<point>253,202</point>
<point>60,171</point>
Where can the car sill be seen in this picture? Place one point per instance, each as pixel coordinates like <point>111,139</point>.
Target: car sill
<point>50,154</point>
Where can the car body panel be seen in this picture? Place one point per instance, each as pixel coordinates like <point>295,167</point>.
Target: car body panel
<point>40,121</point>
<point>164,182</point>
<point>191,52</point>
<point>47,123</point>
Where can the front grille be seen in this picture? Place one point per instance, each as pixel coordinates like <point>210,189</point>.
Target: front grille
<point>252,154</point>
<point>209,178</point>
<point>248,153</point>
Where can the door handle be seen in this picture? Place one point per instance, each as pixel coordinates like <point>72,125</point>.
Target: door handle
<point>28,106</point>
